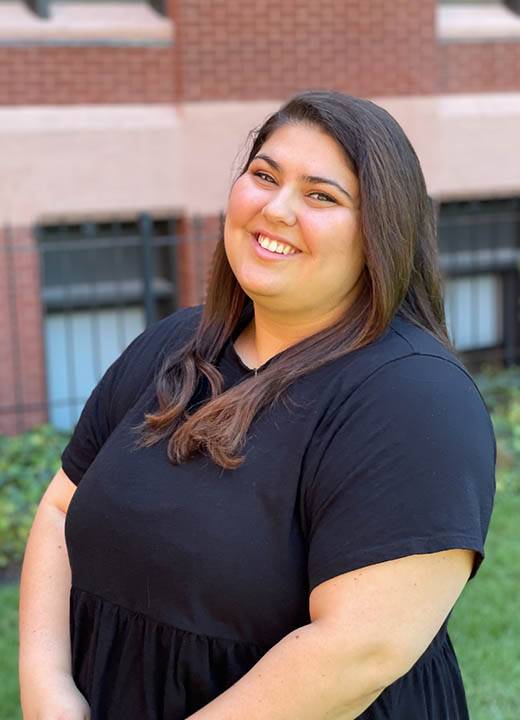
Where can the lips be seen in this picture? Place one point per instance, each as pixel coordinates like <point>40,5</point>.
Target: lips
<point>269,255</point>
<point>276,238</point>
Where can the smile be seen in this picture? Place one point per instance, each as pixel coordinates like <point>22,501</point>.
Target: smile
<point>271,248</point>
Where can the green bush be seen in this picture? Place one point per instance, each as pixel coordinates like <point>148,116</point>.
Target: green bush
<point>499,387</point>
<point>501,390</point>
<point>28,462</point>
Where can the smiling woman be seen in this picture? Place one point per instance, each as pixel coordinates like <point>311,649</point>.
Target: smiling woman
<point>314,286</point>
<point>283,492</point>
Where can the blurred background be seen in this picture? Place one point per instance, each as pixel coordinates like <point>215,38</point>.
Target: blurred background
<point>121,127</point>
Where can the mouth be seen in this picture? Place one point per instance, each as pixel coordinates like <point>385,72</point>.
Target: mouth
<point>266,247</point>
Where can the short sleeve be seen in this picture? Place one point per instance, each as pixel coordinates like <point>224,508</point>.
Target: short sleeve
<point>405,467</point>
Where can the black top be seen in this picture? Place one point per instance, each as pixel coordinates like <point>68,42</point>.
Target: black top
<point>184,576</point>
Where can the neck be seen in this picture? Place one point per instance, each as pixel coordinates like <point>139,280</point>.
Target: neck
<point>268,333</point>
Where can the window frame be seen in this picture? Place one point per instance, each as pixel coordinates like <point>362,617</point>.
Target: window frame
<point>43,8</point>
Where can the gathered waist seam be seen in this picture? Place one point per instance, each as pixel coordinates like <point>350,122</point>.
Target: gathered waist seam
<point>437,647</point>
<point>174,628</point>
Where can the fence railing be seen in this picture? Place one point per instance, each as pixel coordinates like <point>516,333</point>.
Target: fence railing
<point>75,295</point>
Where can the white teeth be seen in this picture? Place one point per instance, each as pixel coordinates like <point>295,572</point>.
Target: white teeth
<point>274,246</point>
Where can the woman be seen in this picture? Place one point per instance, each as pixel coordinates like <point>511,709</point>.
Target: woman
<point>282,493</point>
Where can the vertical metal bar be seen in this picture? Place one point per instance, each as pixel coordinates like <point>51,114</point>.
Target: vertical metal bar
<point>67,308</point>
<point>41,270</point>
<point>444,223</point>
<point>516,308</point>
<point>468,271</point>
<point>510,294</point>
<point>510,316</point>
<point>15,336</point>
<point>475,290</point>
<point>475,224</point>
<point>145,226</point>
<point>499,244</point>
<point>89,233</point>
<point>452,305</point>
<point>173,243</point>
<point>117,277</point>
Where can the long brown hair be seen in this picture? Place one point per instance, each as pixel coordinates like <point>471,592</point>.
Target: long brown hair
<point>401,275</point>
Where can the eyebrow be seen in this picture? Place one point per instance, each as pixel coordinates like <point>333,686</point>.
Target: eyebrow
<point>306,178</point>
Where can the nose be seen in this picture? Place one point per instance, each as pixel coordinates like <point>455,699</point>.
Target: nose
<point>279,209</point>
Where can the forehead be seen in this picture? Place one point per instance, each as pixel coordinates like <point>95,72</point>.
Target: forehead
<point>309,149</point>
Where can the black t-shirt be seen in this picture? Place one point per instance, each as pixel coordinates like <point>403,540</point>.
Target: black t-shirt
<point>183,576</point>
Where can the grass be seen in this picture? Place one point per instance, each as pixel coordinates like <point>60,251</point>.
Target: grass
<point>484,627</point>
<point>485,624</point>
<point>9,706</point>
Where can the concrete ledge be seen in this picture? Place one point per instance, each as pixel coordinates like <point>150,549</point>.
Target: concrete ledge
<point>56,119</point>
<point>89,160</point>
<point>106,160</point>
<point>467,144</point>
<point>91,24</point>
<point>472,23</point>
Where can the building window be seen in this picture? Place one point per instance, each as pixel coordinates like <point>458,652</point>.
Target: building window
<point>513,5</point>
<point>102,284</point>
<point>43,8</point>
<point>474,311</point>
<point>479,244</point>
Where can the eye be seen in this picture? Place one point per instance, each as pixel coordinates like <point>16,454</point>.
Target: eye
<point>326,197</point>
<point>263,176</point>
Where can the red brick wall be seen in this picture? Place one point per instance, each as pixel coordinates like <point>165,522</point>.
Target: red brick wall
<point>479,67</point>
<point>194,257</point>
<point>272,49</point>
<point>22,369</point>
<point>83,75</point>
<point>230,50</point>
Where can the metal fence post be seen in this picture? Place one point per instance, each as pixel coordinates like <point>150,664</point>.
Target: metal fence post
<point>145,225</point>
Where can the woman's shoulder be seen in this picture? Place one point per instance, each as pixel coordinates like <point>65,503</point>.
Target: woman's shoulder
<point>406,367</point>
<point>404,343</point>
<point>409,386</point>
<point>401,346</point>
<point>418,340</point>
<point>428,355</point>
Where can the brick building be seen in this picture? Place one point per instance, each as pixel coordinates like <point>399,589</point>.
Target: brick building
<point>125,120</point>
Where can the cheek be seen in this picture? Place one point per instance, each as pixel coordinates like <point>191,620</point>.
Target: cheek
<point>243,200</point>
<point>339,234</point>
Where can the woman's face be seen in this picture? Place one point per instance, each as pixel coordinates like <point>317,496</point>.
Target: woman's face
<point>286,194</point>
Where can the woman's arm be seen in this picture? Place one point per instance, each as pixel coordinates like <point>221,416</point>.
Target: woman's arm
<point>46,685</point>
<point>303,677</point>
<point>368,628</point>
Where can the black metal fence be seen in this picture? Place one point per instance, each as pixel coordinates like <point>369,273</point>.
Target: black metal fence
<point>77,294</point>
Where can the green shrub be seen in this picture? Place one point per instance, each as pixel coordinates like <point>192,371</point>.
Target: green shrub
<point>499,387</point>
<point>28,462</point>
<point>501,390</point>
